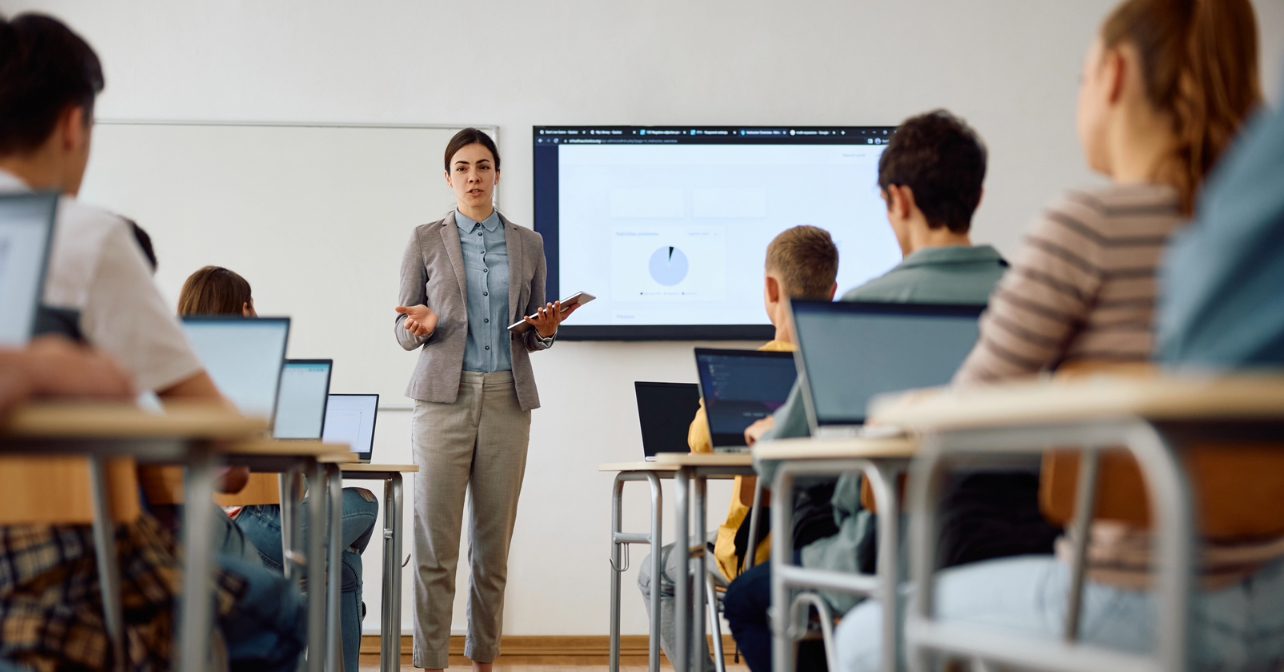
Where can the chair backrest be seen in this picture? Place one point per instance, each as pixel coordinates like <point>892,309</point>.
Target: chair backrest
<point>57,491</point>
<point>1237,486</point>
<point>261,489</point>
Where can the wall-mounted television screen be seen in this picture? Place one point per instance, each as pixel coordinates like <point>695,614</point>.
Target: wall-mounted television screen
<point>668,226</point>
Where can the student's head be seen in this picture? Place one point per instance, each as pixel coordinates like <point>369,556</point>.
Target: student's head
<point>1181,74</point>
<point>472,169</point>
<point>802,263</point>
<point>930,176</point>
<point>49,78</point>
<point>214,290</point>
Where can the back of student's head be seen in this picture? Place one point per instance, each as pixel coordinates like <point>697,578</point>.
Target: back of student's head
<point>1199,67</point>
<point>45,68</point>
<point>214,290</point>
<point>805,260</point>
<point>942,160</point>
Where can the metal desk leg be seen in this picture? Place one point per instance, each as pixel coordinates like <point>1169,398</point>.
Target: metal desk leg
<point>619,540</point>
<point>682,582</point>
<point>887,493</point>
<point>108,569</point>
<point>316,568</point>
<point>334,501</point>
<point>699,646</point>
<point>390,658</point>
<point>782,492</point>
<point>657,570</point>
<point>286,485</point>
<point>617,561</point>
<point>198,541</point>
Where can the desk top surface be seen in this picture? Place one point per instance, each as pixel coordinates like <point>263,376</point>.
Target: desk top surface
<point>705,459</point>
<point>636,466</point>
<point>113,421</point>
<point>836,448</point>
<point>376,468</point>
<point>1159,398</point>
<point>326,452</point>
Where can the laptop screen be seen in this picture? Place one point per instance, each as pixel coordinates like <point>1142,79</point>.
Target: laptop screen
<point>665,411</point>
<point>740,387</point>
<point>851,352</point>
<point>26,228</point>
<point>350,419</point>
<point>244,356</point>
<point>301,403</point>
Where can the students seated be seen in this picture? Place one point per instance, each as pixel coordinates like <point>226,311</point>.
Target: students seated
<point>802,263</point>
<point>49,79</point>
<point>931,176</point>
<point>214,290</point>
<point>1165,89</point>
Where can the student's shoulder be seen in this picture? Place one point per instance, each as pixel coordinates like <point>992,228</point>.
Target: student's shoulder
<point>1093,215</point>
<point>88,221</point>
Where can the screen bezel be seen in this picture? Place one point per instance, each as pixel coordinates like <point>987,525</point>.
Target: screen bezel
<point>325,405</point>
<point>363,457</point>
<point>237,319</point>
<point>864,308</point>
<point>729,440</point>
<point>571,331</point>
<point>50,200</point>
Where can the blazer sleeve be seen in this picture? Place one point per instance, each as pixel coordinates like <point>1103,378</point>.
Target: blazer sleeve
<point>414,279</point>
<point>538,298</point>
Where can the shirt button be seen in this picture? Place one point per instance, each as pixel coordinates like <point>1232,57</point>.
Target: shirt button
<point>485,270</point>
<point>485,293</point>
<point>486,321</point>
<point>488,347</point>
<point>479,233</point>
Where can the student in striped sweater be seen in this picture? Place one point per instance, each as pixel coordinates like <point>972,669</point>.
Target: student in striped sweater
<point>1165,90</point>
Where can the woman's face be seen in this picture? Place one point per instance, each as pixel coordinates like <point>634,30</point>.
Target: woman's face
<point>473,176</point>
<point>1094,103</point>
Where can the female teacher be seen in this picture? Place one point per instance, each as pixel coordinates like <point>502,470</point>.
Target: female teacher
<point>464,279</point>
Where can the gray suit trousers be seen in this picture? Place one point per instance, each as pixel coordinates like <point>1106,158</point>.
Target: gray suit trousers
<point>475,446</point>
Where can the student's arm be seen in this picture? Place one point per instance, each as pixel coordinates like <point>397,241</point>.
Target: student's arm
<point>54,367</point>
<point>699,438</point>
<point>413,299</point>
<point>1040,303</point>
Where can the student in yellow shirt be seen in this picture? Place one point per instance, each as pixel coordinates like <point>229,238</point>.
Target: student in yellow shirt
<point>802,263</point>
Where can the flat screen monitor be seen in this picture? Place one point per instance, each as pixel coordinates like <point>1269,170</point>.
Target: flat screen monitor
<point>350,419</point>
<point>26,232</point>
<point>741,387</point>
<point>244,356</point>
<point>850,352</point>
<point>301,403</point>
<point>668,226</point>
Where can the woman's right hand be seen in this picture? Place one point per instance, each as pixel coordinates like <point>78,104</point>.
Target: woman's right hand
<point>420,321</point>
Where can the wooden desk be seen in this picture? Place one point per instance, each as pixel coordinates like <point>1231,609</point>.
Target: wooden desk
<point>187,435</point>
<point>1153,418</point>
<point>390,620</point>
<point>881,461</point>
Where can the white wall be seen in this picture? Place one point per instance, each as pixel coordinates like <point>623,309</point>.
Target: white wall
<point>1009,66</point>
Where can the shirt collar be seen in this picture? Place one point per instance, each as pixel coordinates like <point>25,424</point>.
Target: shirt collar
<point>466,224</point>
<point>931,256</point>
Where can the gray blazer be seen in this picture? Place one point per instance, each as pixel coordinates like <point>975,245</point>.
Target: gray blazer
<point>432,273</point>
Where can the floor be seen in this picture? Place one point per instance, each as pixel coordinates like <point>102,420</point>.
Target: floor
<point>543,664</point>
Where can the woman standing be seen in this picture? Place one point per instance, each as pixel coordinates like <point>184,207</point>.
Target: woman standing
<point>464,279</point>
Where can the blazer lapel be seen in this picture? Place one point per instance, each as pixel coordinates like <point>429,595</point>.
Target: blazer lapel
<point>450,238</point>
<point>516,272</point>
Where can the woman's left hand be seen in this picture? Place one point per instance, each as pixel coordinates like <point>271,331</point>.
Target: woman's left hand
<point>548,318</point>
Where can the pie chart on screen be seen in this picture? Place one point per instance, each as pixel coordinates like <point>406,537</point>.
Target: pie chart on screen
<point>668,266</point>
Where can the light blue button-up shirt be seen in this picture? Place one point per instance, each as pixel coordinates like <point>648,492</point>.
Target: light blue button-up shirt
<point>485,252</point>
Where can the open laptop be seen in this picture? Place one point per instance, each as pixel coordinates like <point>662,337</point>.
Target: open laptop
<point>665,411</point>
<point>739,388</point>
<point>350,419</point>
<point>244,356</point>
<point>26,235</point>
<point>850,352</point>
<point>301,402</point>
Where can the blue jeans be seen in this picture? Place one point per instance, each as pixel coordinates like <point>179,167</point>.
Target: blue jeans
<point>267,627</point>
<point>745,606</point>
<point>262,526</point>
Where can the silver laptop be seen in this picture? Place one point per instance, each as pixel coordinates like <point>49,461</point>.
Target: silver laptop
<point>244,356</point>
<point>739,388</point>
<point>665,412</point>
<point>26,235</point>
<point>301,401</point>
<point>350,419</point>
<point>850,352</point>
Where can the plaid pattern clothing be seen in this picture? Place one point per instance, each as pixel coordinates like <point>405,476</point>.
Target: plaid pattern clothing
<point>51,612</point>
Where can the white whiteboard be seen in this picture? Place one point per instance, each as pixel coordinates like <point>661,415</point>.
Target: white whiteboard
<point>315,217</point>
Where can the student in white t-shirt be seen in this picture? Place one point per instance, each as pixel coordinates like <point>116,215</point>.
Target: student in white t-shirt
<point>49,79</point>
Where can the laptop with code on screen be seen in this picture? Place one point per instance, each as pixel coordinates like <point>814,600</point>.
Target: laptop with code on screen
<point>244,355</point>
<point>301,403</point>
<point>850,352</point>
<point>665,412</point>
<point>739,388</point>
<point>350,419</point>
<point>26,234</point>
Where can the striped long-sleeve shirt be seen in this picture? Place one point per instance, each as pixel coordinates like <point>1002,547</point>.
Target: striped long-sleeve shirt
<point>1083,288</point>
